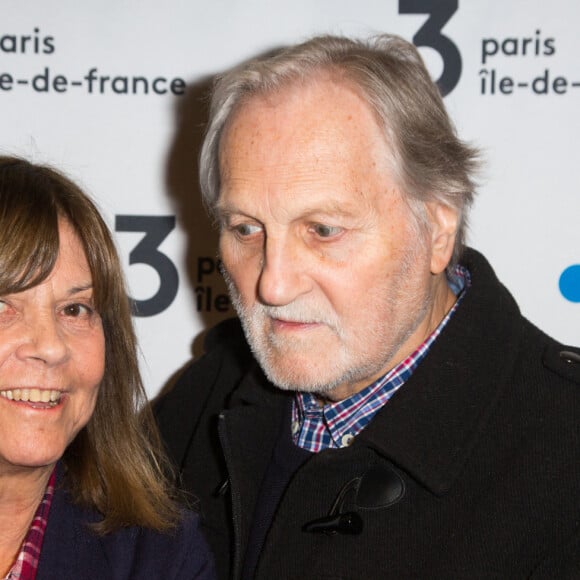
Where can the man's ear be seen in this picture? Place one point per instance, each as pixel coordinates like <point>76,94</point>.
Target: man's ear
<point>444,222</point>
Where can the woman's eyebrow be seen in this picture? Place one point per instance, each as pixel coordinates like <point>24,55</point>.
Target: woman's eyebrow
<point>82,288</point>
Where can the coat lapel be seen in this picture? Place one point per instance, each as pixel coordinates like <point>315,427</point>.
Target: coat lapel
<point>431,425</point>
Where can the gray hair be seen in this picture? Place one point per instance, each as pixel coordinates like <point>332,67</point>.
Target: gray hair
<point>429,161</point>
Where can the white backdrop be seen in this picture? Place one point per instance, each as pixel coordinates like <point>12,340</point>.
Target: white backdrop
<point>113,93</point>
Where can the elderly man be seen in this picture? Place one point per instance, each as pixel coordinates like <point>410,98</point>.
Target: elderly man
<point>387,412</point>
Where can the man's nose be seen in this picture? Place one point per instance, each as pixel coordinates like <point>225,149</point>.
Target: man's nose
<point>43,340</point>
<point>284,275</point>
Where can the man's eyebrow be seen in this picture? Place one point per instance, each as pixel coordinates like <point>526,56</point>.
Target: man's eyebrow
<point>222,207</point>
<point>330,207</point>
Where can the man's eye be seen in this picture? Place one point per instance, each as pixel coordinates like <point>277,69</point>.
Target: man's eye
<point>325,231</point>
<point>245,230</point>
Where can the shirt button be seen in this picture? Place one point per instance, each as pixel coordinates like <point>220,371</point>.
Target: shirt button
<point>295,427</point>
<point>346,440</point>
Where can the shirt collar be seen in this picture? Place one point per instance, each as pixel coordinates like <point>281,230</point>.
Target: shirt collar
<point>334,425</point>
<point>26,563</point>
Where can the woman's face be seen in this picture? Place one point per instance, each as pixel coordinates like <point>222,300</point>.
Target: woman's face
<point>52,354</point>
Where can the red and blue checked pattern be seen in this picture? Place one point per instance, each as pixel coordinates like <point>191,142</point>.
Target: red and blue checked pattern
<point>336,424</point>
<point>26,562</point>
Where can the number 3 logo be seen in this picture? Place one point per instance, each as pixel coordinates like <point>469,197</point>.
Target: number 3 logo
<point>156,229</point>
<point>429,35</point>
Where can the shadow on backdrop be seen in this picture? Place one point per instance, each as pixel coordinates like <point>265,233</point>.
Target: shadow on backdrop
<point>182,186</point>
<point>182,182</point>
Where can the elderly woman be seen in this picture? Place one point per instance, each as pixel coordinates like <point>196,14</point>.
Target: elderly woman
<point>82,494</point>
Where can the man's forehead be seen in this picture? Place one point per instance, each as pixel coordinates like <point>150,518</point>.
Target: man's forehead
<point>318,97</point>
<point>313,121</point>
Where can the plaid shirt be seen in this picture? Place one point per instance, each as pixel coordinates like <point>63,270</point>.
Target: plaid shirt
<point>26,563</point>
<point>334,425</point>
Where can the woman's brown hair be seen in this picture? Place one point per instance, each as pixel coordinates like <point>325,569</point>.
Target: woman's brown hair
<point>114,464</point>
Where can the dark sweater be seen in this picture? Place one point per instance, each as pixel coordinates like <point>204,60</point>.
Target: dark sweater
<point>72,551</point>
<point>286,459</point>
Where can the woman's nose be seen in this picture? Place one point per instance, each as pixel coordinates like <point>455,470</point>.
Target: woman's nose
<point>44,341</point>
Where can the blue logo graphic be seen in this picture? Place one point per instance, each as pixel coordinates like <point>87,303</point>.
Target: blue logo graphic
<point>570,283</point>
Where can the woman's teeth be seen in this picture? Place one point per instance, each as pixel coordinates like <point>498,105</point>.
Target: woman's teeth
<point>33,395</point>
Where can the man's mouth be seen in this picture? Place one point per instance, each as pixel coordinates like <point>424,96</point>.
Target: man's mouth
<point>50,397</point>
<point>293,323</point>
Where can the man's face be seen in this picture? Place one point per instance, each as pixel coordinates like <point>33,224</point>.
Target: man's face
<point>332,279</point>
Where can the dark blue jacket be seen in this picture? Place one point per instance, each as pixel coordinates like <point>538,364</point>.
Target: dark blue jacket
<point>71,551</point>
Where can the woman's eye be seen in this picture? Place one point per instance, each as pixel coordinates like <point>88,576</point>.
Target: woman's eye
<point>7,312</point>
<point>77,310</point>
<point>325,231</point>
<point>5,308</point>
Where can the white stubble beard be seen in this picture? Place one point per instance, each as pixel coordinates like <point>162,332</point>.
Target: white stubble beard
<point>324,374</point>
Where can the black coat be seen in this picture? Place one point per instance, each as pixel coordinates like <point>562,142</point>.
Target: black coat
<point>470,471</point>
